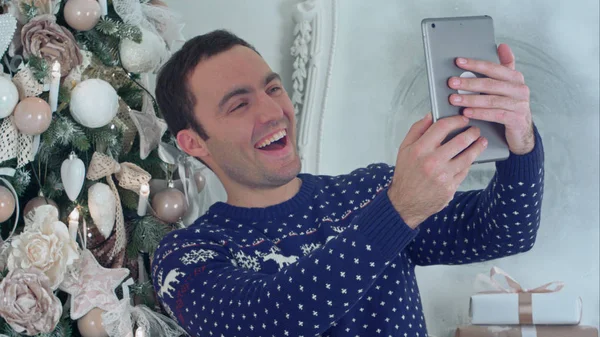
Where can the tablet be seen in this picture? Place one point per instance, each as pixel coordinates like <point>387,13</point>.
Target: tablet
<point>444,40</point>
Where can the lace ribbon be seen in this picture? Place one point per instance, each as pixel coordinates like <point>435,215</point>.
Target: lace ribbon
<point>130,177</point>
<point>14,144</point>
<point>121,320</point>
<point>26,83</point>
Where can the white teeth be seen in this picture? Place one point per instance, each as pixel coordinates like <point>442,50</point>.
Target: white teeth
<point>273,138</point>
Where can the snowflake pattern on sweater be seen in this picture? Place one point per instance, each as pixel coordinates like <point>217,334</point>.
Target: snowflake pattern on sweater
<point>337,259</point>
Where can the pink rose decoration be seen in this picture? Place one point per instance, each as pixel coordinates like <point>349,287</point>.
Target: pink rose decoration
<point>44,38</point>
<point>27,303</point>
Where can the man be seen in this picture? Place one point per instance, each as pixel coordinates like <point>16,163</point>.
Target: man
<point>294,254</point>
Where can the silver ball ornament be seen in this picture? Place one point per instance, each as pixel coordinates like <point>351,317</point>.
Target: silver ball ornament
<point>169,204</point>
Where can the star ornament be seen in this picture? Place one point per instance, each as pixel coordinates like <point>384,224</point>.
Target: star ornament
<point>92,286</point>
<point>151,130</point>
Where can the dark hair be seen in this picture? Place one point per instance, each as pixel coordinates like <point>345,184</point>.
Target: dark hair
<point>174,96</point>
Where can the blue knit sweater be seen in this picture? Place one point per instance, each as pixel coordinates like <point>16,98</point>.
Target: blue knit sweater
<point>337,259</point>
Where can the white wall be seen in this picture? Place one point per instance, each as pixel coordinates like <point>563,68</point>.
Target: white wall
<point>379,88</point>
<point>266,24</point>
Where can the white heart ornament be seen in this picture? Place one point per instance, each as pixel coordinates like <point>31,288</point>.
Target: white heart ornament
<point>72,173</point>
<point>8,26</point>
<point>102,204</point>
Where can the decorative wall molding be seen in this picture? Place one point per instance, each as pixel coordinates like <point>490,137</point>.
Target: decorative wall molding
<point>313,51</point>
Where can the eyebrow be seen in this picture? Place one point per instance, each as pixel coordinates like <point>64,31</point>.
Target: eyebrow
<point>271,77</point>
<point>246,90</point>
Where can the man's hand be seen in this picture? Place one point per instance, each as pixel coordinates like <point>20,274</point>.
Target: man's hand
<point>428,174</point>
<point>506,102</point>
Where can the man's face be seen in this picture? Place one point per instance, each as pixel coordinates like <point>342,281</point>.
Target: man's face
<point>249,118</point>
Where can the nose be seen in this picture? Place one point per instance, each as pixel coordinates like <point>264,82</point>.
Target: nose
<point>268,109</point>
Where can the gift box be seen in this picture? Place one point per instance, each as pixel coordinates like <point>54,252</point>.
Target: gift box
<point>514,305</point>
<point>527,331</point>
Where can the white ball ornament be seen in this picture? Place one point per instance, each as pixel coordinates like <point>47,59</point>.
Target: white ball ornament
<point>9,96</point>
<point>142,57</point>
<point>94,103</point>
<point>102,205</point>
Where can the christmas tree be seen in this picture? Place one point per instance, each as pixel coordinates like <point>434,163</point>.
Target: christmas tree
<point>87,167</point>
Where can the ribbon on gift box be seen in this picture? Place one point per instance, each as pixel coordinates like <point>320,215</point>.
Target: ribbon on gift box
<point>527,331</point>
<point>525,295</point>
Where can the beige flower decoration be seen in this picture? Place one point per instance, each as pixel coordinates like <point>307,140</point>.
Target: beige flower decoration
<point>45,244</point>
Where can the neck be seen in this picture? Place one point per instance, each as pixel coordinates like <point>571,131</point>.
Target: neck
<point>243,196</point>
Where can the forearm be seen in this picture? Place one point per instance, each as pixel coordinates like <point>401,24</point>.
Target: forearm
<point>516,198</point>
<point>486,224</point>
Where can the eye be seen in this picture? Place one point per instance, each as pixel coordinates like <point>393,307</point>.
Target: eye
<point>241,105</point>
<point>274,89</point>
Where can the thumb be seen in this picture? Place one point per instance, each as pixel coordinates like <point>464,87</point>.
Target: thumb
<point>417,130</point>
<point>506,56</point>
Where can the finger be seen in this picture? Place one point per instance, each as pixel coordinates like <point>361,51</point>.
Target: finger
<point>459,143</point>
<point>491,69</point>
<point>506,56</point>
<point>490,86</point>
<point>417,130</point>
<point>464,160</point>
<point>489,102</point>
<point>508,118</point>
<point>434,136</point>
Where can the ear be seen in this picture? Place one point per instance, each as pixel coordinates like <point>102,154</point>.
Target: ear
<point>191,143</point>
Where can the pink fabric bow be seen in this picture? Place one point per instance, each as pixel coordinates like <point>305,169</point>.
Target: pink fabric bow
<point>514,286</point>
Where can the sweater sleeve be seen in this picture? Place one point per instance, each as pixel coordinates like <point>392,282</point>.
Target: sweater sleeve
<point>200,284</point>
<point>501,220</point>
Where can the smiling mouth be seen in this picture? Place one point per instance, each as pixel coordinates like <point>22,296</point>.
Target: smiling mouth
<point>276,142</point>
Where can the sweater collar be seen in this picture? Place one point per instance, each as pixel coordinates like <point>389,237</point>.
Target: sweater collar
<point>298,201</point>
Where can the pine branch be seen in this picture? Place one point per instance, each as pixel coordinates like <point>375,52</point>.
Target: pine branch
<point>140,289</point>
<point>81,142</point>
<point>7,330</point>
<point>62,329</point>
<point>39,67</point>
<point>147,233</point>
<point>152,164</point>
<point>118,29</point>
<point>107,136</point>
<point>84,210</point>
<point>134,77</point>
<point>21,181</point>
<point>29,10</point>
<point>46,153</point>
<point>119,124</point>
<point>107,26</point>
<point>64,95</point>
<point>129,199</point>
<point>105,47</point>
<point>130,32</point>
<point>145,292</point>
<point>62,134</point>
<point>53,187</point>
<point>132,95</point>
